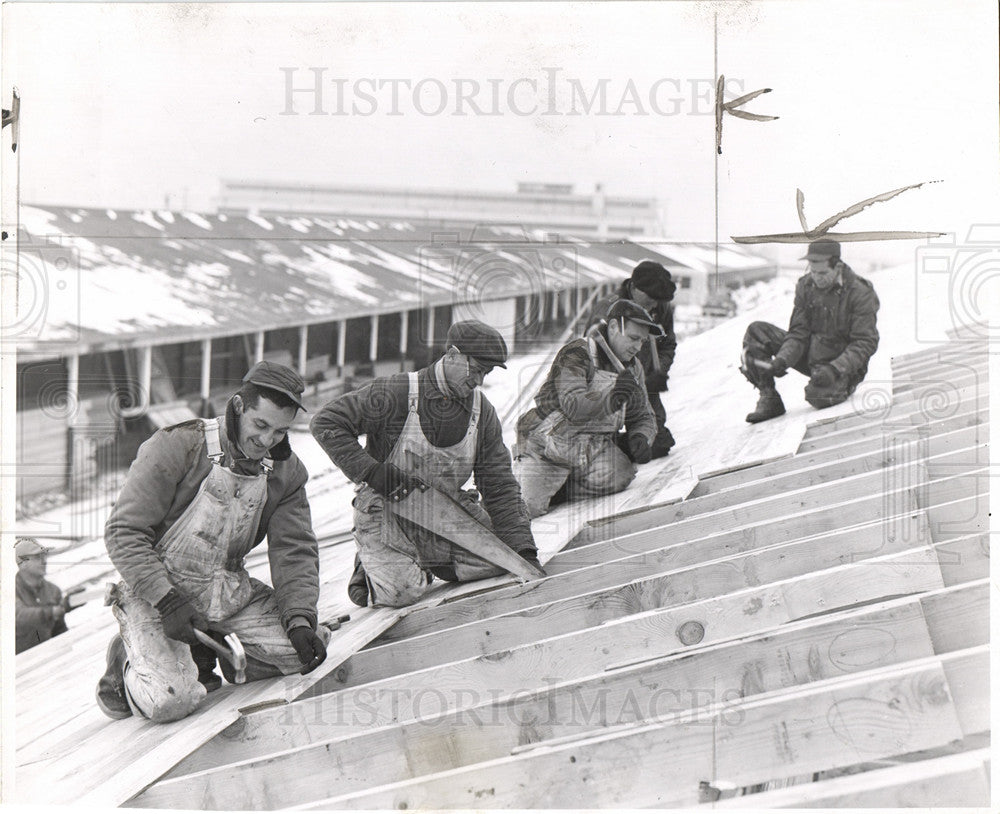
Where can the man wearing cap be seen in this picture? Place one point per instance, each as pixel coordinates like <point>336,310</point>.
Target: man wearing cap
<point>830,338</point>
<point>651,287</point>
<point>199,496</point>
<point>569,444</point>
<point>39,606</point>
<point>429,427</point>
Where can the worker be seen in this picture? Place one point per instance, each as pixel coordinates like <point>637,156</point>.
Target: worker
<point>652,287</point>
<point>39,606</point>
<point>199,496</point>
<point>569,444</point>
<point>433,427</point>
<point>830,338</point>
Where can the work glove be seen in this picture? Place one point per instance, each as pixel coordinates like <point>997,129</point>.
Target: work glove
<point>624,389</point>
<point>823,376</point>
<point>180,617</point>
<point>68,606</point>
<point>308,646</point>
<point>639,449</point>
<point>656,382</point>
<point>392,482</point>
<point>779,367</point>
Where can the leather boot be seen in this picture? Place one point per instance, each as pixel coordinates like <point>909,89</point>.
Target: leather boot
<point>769,405</point>
<point>205,660</point>
<point>111,696</point>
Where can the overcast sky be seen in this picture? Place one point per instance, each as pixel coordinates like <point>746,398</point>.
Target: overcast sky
<point>126,104</point>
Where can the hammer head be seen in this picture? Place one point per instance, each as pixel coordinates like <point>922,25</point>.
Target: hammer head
<point>239,657</point>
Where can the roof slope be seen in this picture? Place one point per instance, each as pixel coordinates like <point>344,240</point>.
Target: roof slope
<point>125,277</point>
<point>696,599</point>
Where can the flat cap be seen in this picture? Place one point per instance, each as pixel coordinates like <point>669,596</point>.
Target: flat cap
<point>28,547</point>
<point>479,340</point>
<point>277,377</point>
<point>633,312</point>
<point>822,250</point>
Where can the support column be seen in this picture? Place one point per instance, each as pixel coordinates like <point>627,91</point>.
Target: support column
<point>206,369</point>
<point>73,387</point>
<point>258,347</point>
<point>303,349</point>
<point>404,332</point>
<point>341,344</point>
<point>373,341</point>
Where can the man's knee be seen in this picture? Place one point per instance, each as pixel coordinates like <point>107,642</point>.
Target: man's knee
<point>609,473</point>
<point>162,697</point>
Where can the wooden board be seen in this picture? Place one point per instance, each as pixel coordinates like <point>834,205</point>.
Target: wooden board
<point>968,430</point>
<point>665,589</point>
<point>878,714</point>
<point>896,489</point>
<point>794,655</point>
<point>955,781</point>
<point>612,562</point>
<point>440,514</point>
<point>647,635</point>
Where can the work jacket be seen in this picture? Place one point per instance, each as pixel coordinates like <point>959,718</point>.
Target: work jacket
<point>164,479</point>
<point>834,326</point>
<point>34,615</point>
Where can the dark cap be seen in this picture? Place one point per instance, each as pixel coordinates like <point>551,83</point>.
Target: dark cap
<point>277,377</point>
<point>822,250</point>
<point>478,340</point>
<point>653,280</point>
<point>633,312</point>
<point>28,547</point>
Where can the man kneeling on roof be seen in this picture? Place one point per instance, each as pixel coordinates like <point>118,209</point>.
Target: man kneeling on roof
<point>830,338</point>
<point>199,496</point>
<point>433,427</point>
<point>570,443</point>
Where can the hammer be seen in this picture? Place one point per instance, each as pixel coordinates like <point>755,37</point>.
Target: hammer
<point>235,655</point>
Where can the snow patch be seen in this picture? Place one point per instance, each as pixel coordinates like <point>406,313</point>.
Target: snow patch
<point>197,220</point>
<point>146,219</point>
<point>263,224</point>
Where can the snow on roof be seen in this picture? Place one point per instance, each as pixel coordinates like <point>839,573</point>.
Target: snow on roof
<point>157,276</point>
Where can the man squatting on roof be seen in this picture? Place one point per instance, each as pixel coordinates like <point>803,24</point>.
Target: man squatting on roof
<point>569,444</point>
<point>430,427</point>
<point>199,496</point>
<point>831,336</point>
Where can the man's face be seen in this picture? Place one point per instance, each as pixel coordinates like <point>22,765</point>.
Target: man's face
<point>33,565</point>
<point>823,274</point>
<point>625,344</point>
<point>463,373</point>
<point>262,427</point>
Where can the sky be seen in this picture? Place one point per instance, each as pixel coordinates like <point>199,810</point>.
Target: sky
<point>140,105</point>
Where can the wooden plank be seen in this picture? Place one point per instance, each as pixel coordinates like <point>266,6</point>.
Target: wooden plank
<point>890,485</point>
<point>792,655</point>
<point>907,411</point>
<point>663,589</point>
<point>595,566</point>
<point>83,762</point>
<point>955,781</point>
<point>877,714</point>
<point>964,430</point>
<point>654,633</point>
<point>978,357</point>
<point>442,515</point>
